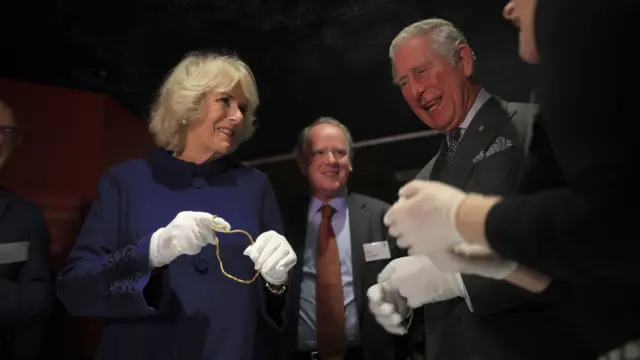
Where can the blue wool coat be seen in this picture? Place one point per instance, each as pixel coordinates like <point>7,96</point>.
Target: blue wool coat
<point>187,309</point>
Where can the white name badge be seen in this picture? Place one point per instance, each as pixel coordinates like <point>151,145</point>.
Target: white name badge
<point>14,252</point>
<point>376,251</point>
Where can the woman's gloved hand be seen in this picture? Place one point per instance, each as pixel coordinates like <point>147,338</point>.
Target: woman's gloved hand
<point>186,234</point>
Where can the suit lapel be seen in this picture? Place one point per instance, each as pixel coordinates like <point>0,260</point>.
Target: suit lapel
<point>440,162</point>
<point>359,233</point>
<point>485,126</point>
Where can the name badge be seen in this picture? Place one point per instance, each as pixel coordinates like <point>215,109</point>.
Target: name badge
<point>14,252</point>
<point>376,251</point>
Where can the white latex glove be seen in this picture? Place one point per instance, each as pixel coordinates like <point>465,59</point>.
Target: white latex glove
<point>420,282</point>
<point>389,308</point>
<point>474,259</point>
<point>423,219</point>
<point>273,257</point>
<point>186,234</point>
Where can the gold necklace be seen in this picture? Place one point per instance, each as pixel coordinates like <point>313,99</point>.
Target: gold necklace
<point>223,229</point>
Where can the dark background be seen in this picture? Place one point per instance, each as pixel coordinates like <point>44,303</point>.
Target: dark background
<point>311,58</point>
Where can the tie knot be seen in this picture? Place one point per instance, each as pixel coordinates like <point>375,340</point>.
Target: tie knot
<point>327,211</point>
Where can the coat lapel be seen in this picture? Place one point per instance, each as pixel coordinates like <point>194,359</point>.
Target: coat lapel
<point>440,162</point>
<point>359,234</point>
<point>486,125</point>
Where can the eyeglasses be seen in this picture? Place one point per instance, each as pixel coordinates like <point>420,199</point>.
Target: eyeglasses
<point>224,229</point>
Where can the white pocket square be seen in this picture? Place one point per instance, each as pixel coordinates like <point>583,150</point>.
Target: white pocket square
<point>500,144</point>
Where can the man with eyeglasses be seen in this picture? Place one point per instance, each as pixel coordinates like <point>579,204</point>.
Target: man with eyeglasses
<point>342,245</point>
<point>26,293</point>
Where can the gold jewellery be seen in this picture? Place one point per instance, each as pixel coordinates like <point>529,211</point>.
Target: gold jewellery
<point>227,229</point>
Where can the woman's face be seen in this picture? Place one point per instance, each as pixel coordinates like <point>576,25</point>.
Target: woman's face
<point>522,14</point>
<point>216,133</point>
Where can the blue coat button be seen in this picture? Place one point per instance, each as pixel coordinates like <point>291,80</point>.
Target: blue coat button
<point>202,266</point>
<point>199,182</point>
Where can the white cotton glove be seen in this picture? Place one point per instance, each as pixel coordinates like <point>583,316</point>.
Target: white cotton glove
<point>186,234</point>
<point>389,308</point>
<point>420,282</point>
<point>423,220</point>
<point>273,257</point>
<point>221,225</point>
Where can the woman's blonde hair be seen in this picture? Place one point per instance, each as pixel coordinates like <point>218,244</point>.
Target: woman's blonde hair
<point>182,96</point>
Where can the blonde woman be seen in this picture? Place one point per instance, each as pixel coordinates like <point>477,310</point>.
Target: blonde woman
<point>147,258</point>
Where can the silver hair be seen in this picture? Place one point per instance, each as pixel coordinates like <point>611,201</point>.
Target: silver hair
<point>443,35</point>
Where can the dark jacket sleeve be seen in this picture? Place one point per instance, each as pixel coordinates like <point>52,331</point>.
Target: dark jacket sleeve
<point>107,273</point>
<point>29,298</point>
<point>273,307</point>
<point>586,227</point>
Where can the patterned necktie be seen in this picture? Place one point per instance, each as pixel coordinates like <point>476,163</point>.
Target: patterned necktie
<point>453,141</point>
<point>330,324</point>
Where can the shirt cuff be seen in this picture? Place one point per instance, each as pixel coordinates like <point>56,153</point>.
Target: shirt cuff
<point>463,291</point>
<point>408,319</point>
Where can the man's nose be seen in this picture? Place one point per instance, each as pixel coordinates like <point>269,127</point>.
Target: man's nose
<point>417,89</point>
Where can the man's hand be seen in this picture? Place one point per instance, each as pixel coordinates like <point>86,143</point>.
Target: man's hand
<point>389,308</point>
<point>420,282</point>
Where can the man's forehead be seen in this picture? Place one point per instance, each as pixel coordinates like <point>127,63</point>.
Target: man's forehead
<point>326,132</point>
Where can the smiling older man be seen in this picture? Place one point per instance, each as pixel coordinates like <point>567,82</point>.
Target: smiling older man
<point>466,317</point>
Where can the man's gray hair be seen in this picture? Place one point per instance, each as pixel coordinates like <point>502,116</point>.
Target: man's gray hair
<point>444,37</point>
<point>302,146</point>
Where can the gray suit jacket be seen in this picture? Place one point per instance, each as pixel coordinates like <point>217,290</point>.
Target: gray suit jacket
<point>366,225</point>
<point>521,115</point>
<point>508,323</point>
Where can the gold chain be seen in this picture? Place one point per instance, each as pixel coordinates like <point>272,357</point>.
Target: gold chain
<point>216,226</point>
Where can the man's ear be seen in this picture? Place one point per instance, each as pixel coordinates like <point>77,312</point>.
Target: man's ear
<point>465,59</point>
<point>302,164</point>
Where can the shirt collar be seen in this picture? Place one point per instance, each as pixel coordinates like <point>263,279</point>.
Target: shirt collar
<point>175,173</point>
<point>339,203</point>
<point>481,98</point>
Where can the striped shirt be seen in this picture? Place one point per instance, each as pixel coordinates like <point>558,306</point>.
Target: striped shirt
<point>483,96</point>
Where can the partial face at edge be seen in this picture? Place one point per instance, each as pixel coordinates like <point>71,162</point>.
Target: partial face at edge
<point>522,14</point>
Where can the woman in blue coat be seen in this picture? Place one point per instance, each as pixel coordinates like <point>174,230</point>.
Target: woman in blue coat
<point>147,258</point>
